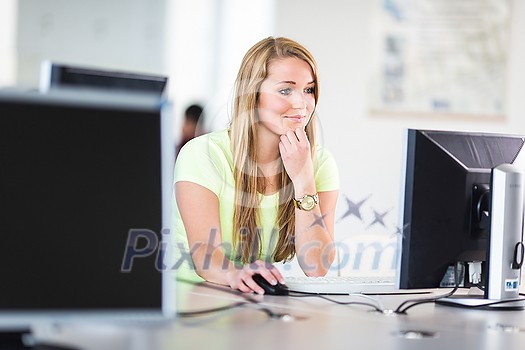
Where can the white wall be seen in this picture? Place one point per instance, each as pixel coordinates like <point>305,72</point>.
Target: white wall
<point>210,39</point>
<point>369,148</point>
<point>116,34</point>
<point>8,19</point>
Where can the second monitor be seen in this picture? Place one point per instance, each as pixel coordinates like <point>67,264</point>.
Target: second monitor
<point>58,75</point>
<point>449,190</point>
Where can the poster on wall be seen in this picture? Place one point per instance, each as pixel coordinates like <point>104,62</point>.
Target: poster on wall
<point>440,57</point>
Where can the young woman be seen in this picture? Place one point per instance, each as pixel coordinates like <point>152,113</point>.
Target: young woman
<point>260,191</point>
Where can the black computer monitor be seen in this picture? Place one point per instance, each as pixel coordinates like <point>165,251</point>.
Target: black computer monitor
<point>55,75</point>
<point>446,201</point>
<point>79,172</point>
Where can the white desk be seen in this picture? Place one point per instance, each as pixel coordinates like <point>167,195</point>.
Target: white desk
<point>318,324</point>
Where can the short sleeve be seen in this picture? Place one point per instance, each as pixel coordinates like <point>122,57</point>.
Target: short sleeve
<point>200,161</point>
<point>326,171</point>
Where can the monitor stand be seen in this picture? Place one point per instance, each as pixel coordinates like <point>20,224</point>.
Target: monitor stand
<point>479,302</point>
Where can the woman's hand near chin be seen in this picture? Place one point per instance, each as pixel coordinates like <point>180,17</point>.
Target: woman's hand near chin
<point>297,158</point>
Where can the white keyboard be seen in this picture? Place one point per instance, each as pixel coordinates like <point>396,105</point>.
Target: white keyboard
<point>343,285</point>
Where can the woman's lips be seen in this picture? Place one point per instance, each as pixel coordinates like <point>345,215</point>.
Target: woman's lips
<point>295,118</point>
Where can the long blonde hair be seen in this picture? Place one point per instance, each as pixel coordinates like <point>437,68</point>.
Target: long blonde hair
<point>253,71</point>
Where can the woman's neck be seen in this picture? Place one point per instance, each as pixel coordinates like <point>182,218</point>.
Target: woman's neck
<point>268,155</point>
<point>269,161</point>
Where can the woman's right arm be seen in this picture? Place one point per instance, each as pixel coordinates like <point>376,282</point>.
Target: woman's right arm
<point>199,209</point>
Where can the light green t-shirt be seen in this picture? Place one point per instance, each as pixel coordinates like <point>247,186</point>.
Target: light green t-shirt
<point>207,160</point>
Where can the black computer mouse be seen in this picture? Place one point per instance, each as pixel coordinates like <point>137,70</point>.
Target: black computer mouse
<point>278,289</point>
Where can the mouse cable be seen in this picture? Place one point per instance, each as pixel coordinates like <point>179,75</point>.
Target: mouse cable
<point>249,301</point>
<point>375,307</point>
<point>323,296</point>
<point>221,288</point>
<point>209,311</point>
<point>270,313</point>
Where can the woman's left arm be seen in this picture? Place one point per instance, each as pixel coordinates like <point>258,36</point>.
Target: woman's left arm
<point>314,229</point>
<point>314,235</point>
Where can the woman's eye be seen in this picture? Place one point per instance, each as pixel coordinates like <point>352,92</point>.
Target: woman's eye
<point>309,90</point>
<point>286,91</point>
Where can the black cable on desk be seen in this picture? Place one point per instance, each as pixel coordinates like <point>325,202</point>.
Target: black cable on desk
<point>376,308</point>
<point>209,311</point>
<point>247,297</point>
<point>270,313</point>
<point>419,301</point>
<point>401,310</point>
<point>307,294</point>
<point>497,302</point>
<point>431,300</point>
<point>196,313</point>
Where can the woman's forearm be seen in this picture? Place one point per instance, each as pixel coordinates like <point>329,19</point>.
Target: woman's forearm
<point>314,238</point>
<point>211,264</point>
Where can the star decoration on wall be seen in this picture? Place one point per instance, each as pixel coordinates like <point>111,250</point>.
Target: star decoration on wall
<point>378,219</point>
<point>353,208</point>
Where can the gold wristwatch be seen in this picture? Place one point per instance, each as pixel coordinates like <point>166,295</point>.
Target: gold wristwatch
<point>306,202</point>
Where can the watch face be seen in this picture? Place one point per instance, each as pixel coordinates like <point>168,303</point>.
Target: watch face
<point>308,203</point>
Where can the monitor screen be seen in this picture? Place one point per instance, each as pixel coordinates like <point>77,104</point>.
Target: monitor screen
<point>78,174</point>
<point>55,75</point>
<point>445,203</point>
